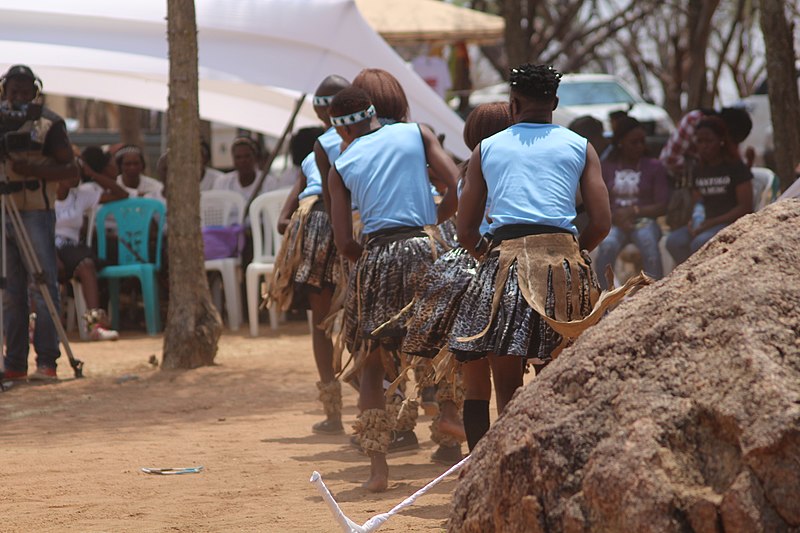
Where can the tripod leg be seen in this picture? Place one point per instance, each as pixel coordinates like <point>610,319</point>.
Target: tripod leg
<point>32,261</point>
<point>3,282</point>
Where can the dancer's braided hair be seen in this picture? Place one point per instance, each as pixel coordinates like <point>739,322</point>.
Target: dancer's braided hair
<point>539,82</point>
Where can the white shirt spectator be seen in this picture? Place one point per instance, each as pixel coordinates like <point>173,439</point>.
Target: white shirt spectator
<point>148,188</point>
<point>230,182</point>
<point>70,211</point>
<point>209,178</point>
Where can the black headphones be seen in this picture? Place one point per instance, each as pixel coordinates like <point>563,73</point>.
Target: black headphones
<point>21,71</point>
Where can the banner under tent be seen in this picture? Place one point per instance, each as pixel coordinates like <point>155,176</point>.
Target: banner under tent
<point>255,57</point>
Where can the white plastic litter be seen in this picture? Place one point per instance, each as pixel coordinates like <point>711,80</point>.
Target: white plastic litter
<point>348,526</point>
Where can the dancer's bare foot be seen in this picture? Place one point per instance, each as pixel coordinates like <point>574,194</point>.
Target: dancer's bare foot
<point>454,428</point>
<point>450,422</point>
<point>378,473</point>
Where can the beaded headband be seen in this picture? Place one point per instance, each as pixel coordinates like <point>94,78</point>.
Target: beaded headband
<point>128,150</point>
<point>346,120</point>
<point>323,101</point>
<point>246,141</point>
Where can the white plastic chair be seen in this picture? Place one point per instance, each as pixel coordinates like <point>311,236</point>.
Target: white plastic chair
<point>76,306</point>
<point>264,212</point>
<point>224,208</point>
<point>765,187</point>
<point>80,309</point>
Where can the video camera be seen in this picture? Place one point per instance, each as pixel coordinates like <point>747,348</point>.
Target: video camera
<point>12,117</point>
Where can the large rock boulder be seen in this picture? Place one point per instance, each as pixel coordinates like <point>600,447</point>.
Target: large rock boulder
<point>679,411</point>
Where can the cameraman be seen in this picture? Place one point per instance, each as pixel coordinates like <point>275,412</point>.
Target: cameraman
<point>33,170</point>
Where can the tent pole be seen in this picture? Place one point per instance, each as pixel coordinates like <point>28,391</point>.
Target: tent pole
<point>268,165</point>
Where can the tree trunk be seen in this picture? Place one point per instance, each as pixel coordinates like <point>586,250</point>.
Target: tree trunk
<point>193,323</point>
<point>700,18</point>
<point>783,98</point>
<point>517,43</point>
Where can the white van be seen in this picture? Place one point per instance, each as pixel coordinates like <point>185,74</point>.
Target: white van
<point>592,94</point>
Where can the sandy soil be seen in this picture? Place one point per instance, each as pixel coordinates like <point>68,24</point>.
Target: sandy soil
<point>72,451</point>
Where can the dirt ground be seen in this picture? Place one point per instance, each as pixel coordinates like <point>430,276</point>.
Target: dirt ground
<point>72,451</point>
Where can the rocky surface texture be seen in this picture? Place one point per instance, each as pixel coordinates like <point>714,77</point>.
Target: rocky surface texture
<point>680,411</point>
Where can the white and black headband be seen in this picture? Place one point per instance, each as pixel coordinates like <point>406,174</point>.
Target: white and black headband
<point>323,101</point>
<point>352,118</point>
<point>128,150</point>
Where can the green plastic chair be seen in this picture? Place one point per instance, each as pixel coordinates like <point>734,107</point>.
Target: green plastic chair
<point>134,217</point>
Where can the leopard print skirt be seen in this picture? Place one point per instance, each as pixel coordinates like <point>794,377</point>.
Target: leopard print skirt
<point>436,303</point>
<point>382,283</point>
<point>308,260</point>
<point>320,263</point>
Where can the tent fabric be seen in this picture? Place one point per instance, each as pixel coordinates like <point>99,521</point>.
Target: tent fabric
<point>255,56</point>
<point>432,21</point>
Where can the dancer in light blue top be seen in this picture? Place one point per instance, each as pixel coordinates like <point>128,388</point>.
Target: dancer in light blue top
<point>409,189</point>
<point>313,179</point>
<point>528,176</point>
<point>384,169</point>
<point>329,145</point>
<point>430,320</point>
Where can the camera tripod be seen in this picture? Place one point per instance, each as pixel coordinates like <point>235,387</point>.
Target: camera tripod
<point>9,211</point>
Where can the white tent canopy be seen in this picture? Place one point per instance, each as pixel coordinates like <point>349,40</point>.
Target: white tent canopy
<point>256,56</point>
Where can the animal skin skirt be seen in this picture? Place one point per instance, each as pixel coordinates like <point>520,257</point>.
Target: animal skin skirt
<point>448,232</point>
<point>382,283</point>
<point>518,282</point>
<point>436,303</point>
<point>308,260</point>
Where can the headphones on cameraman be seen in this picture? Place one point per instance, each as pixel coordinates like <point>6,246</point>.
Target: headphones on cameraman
<point>21,70</point>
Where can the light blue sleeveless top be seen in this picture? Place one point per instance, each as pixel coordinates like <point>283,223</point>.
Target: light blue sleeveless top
<point>532,172</point>
<point>331,142</point>
<point>313,178</point>
<point>387,176</point>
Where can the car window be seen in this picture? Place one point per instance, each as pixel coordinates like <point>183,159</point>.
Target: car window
<point>593,92</point>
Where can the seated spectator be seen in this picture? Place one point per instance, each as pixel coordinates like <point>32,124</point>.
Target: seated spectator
<point>209,174</point>
<point>76,259</point>
<point>130,162</point>
<point>639,191</point>
<point>244,178</point>
<point>722,184</point>
<point>680,147</point>
<point>97,161</point>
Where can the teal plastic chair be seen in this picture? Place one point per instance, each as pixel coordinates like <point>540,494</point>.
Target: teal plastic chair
<point>134,218</point>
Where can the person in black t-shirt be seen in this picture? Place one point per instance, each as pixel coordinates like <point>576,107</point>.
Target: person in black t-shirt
<point>722,185</point>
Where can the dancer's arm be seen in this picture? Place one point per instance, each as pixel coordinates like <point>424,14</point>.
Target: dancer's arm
<point>111,189</point>
<point>342,217</point>
<point>471,207</point>
<point>324,166</point>
<point>595,199</point>
<point>443,176</point>
<point>291,204</point>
